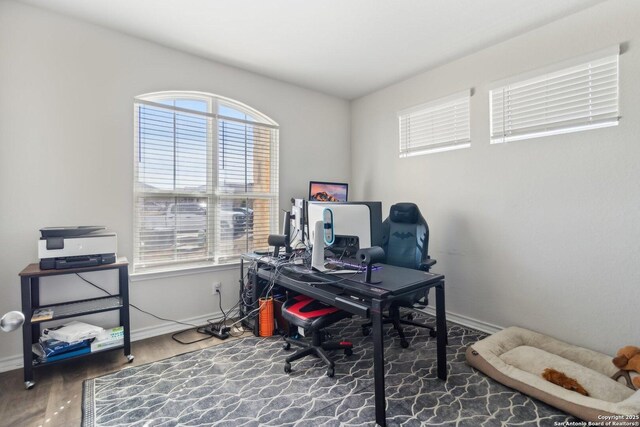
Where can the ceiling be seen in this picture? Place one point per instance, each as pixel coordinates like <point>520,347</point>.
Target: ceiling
<point>346,48</point>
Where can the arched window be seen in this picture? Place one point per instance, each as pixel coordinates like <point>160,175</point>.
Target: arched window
<point>205,180</point>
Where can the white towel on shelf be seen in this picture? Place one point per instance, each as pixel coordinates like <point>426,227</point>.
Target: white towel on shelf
<point>73,331</point>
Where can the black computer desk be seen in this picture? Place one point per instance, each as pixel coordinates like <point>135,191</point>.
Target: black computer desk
<point>350,293</point>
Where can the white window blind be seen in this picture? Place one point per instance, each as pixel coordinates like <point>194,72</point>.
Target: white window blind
<point>576,97</point>
<point>205,181</point>
<point>439,125</point>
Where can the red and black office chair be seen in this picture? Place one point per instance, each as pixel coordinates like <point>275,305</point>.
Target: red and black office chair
<point>312,316</point>
<point>405,242</point>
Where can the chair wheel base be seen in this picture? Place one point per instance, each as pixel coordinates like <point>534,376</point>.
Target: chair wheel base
<point>287,367</point>
<point>348,352</point>
<point>432,333</point>
<point>331,372</point>
<point>286,346</point>
<point>366,331</point>
<point>404,343</point>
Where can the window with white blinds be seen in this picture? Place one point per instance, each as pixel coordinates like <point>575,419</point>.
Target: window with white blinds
<point>439,125</point>
<point>580,96</point>
<point>205,180</point>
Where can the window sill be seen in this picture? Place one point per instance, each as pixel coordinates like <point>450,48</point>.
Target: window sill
<point>435,150</point>
<point>200,269</point>
<point>541,134</point>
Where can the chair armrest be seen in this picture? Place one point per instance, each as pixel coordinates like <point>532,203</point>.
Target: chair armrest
<point>426,266</point>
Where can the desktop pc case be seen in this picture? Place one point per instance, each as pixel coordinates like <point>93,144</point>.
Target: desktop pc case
<point>250,289</point>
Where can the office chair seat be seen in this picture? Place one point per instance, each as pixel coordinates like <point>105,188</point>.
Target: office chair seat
<point>312,315</point>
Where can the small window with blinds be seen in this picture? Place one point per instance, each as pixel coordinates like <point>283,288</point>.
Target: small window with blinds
<point>579,95</point>
<point>205,180</point>
<point>439,125</point>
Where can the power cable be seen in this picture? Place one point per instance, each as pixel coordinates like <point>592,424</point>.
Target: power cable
<point>197,328</point>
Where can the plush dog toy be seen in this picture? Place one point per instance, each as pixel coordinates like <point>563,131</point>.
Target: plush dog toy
<point>628,359</point>
<point>561,379</point>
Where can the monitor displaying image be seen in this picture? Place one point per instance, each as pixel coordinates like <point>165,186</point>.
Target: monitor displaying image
<point>328,191</point>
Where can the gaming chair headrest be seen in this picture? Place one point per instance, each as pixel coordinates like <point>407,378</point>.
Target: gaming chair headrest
<point>407,213</point>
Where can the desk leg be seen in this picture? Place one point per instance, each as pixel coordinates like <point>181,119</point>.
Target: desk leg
<point>123,283</point>
<point>378,362</point>
<point>255,302</point>
<point>441,329</point>
<point>27,332</point>
<point>35,302</point>
<point>241,282</point>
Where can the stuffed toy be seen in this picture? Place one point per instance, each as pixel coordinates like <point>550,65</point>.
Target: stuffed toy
<point>628,359</point>
<point>559,378</point>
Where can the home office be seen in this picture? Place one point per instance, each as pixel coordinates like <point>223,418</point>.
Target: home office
<point>539,233</point>
<point>324,288</point>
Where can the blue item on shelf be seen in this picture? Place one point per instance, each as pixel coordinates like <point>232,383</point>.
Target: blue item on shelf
<point>51,347</point>
<point>72,353</point>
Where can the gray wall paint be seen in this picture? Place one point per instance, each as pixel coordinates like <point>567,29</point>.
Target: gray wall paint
<point>66,146</point>
<point>543,233</point>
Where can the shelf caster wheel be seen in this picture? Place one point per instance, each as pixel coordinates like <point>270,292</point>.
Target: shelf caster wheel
<point>432,333</point>
<point>366,331</point>
<point>28,385</point>
<point>331,372</point>
<point>130,358</point>
<point>286,346</point>
<point>287,367</point>
<point>404,343</point>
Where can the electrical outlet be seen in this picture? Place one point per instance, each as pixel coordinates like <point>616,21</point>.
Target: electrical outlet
<point>216,287</point>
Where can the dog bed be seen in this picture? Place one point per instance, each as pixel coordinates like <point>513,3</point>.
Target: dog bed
<point>517,357</point>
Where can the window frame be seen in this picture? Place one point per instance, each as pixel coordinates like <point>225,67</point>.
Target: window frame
<point>213,194</point>
<point>547,74</point>
<point>461,138</point>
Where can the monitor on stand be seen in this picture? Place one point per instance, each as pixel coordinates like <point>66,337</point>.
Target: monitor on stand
<point>298,231</point>
<point>321,191</point>
<point>354,226</point>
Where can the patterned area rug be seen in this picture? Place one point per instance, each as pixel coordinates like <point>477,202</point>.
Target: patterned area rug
<point>242,383</point>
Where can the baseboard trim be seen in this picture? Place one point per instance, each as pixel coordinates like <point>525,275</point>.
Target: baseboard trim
<point>10,363</point>
<point>15,362</point>
<point>467,321</point>
<point>170,327</point>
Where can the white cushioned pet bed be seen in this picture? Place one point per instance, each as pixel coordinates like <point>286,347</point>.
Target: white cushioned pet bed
<point>517,357</point>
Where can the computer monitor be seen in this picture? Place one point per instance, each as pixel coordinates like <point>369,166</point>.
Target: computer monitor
<point>297,226</point>
<point>320,191</point>
<point>355,225</point>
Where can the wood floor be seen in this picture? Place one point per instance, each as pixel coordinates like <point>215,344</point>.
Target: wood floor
<point>56,398</point>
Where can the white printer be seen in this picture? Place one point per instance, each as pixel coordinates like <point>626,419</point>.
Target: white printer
<point>73,247</point>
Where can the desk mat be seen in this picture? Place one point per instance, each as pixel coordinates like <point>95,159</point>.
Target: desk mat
<point>242,383</point>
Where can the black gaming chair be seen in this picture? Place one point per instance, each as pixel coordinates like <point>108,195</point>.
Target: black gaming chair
<point>406,244</point>
<point>312,315</point>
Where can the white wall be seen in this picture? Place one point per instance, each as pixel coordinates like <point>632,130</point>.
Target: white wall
<point>66,145</point>
<point>543,233</point>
